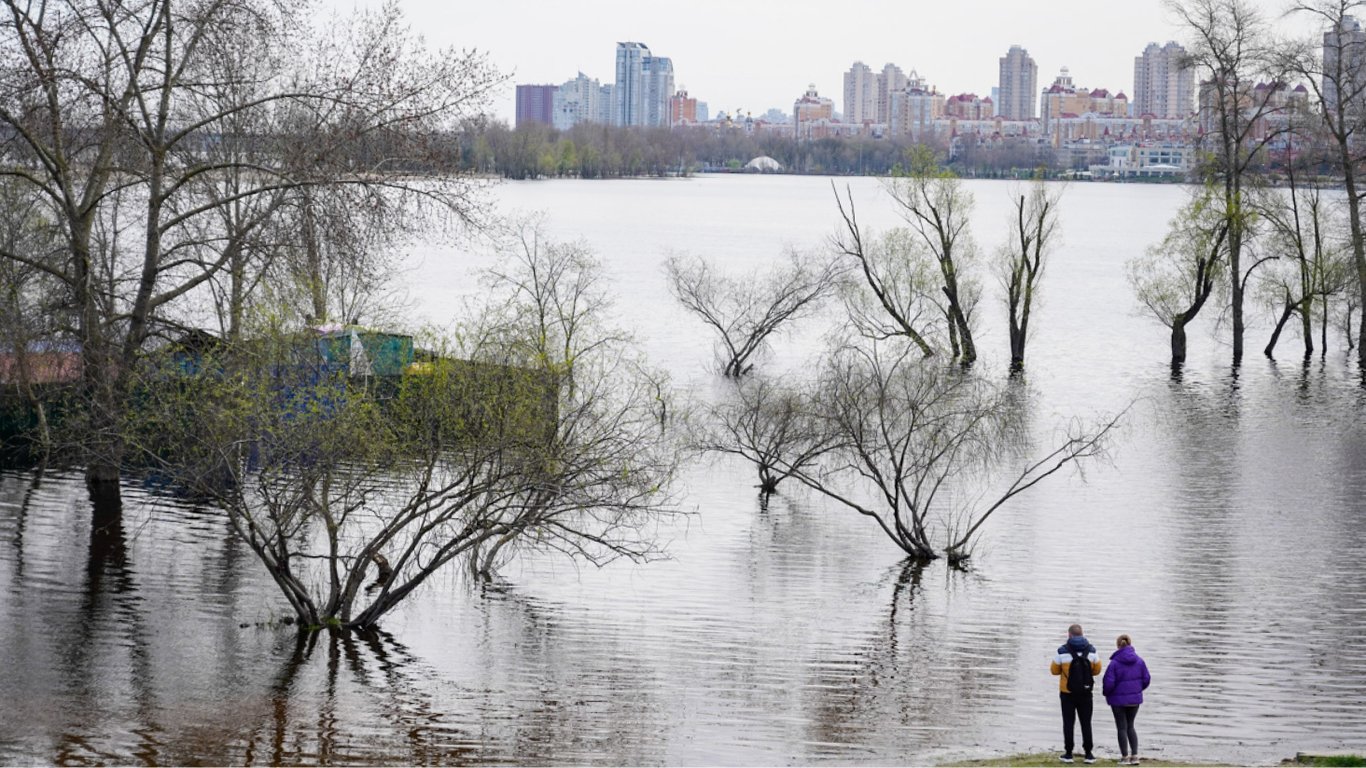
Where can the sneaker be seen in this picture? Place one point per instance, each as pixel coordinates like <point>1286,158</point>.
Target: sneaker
<point>1089,759</point>
<point>1066,757</point>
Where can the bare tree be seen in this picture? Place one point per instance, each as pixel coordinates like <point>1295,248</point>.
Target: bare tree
<point>1312,264</point>
<point>937,208</point>
<point>774,427</point>
<point>1241,90</point>
<point>1021,260</point>
<point>537,432</point>
<point>1176,277</point>
<point>913,442</point>
<point>1332,68</point>
<point>746,311</point>
<point>900,291</point>
<point>105,104</point>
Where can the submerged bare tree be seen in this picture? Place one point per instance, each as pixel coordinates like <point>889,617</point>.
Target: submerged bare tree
<point>1331,65</point>
<point>774,427</point>
<point>745,311</point>
<point>123,104</point>
<point>937,209</point>
<point>897,291</point>
<point>1235,58</point>
<point>1313,262</point>
<point>1021,261</point>
<point>911,442</point>
<point>538,430</point>
<point>1176,277</point>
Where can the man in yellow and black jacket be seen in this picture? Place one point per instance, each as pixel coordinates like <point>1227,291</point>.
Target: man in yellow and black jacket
<point>1077,666</point>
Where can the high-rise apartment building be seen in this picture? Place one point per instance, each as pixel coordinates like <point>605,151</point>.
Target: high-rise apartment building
<point>643,87</point>
<point>860,94</point>
<point>914,108</point>
<point>535,104</point>
<point>1019,82</point>
<point>1344,62</point>
<point>1164,84</point>
<point>583,100</point>
<point>890,81</point>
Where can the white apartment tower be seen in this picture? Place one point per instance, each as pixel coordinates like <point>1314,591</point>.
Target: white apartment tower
<point>1019,83</point>
<point>583,100</point>
<point>1344,54</point>
<point>643,87</point>
<point>1164,85</point>
<point>860,94</point>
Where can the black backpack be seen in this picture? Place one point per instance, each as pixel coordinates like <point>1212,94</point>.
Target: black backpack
<point>1079,677</point>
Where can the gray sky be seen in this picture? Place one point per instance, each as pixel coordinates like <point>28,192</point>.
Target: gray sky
<point>757,54</point>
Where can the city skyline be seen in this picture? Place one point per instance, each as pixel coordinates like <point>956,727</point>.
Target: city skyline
<point>758,55</point>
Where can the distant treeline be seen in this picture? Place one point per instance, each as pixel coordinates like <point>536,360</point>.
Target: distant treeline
<point>593,151</point>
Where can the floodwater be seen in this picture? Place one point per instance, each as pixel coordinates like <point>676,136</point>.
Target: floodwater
<point>1227,537</point>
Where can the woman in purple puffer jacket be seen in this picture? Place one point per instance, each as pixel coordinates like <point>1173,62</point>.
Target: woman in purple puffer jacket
<point>1126,678</point>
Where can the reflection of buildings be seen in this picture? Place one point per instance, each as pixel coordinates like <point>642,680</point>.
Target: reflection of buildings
<point>1164,86</point>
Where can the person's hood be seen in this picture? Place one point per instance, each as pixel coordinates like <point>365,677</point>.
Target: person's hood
<point>1125,655</point>
<point>1078,643</point>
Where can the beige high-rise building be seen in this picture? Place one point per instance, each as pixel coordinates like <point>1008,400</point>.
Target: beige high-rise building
<point>860,94</point>
<point>891,80</point>
<point>1164,86</point>
<point>914,108</point>
<point>1019,82</point>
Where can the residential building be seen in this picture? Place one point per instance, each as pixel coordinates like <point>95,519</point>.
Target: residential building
<point>969,106</point>
<point>860,94</point>
<point>914,108</point>
<point>890,81</point>
<point>1344,55</point>
<point>1065,99</point>
<point>811,108</point>
<point>583,100</point>
<point>1164,83</point>
<point>682,109</point>
<point>644,84</point>
<point>1019,82</point>
<point>535,104</point>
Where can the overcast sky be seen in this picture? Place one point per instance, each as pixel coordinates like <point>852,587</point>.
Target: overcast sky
<point>755,54</point>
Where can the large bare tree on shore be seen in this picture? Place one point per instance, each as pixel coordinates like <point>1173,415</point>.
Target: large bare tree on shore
<point>128,104</point>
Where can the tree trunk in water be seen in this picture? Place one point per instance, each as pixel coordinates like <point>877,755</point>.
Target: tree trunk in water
<point>1178,342</point>
<point>1289,310</point>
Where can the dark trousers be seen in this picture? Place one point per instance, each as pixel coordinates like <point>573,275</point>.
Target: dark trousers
<point>1124,723</point>
<point>1076,706</point>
